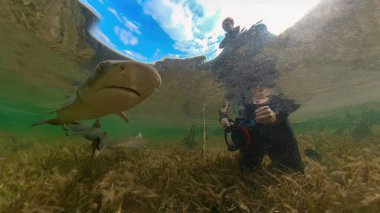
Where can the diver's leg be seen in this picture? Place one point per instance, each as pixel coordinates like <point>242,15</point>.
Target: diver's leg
<point>283,148</point>
<point>251,157</point>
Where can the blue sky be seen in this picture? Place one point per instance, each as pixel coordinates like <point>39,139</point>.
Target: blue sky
<point>151,30</point>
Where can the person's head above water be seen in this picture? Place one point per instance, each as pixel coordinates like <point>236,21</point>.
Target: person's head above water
<point>228,24</point>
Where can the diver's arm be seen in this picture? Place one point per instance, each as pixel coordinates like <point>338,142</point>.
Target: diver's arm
<point>281,116</point>
<point>283,107</point>
<point>223,115</point>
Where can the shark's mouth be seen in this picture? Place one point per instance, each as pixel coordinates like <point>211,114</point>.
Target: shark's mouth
<point>124,89</point>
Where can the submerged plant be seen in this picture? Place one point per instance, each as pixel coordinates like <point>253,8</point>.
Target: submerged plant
<point>65,178</point>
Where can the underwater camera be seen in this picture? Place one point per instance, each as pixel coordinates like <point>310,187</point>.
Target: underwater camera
<point>238,132</point>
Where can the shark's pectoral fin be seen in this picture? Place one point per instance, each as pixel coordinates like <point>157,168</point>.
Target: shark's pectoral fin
<point>51,121</point>
<point>54,121</point>
<point>64,127</point>
<point>95,147</point>
<point>123,116</point>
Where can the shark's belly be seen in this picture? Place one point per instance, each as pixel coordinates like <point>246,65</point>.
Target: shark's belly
<point>76,113</point>
<point>95,105</point>
<point>111,100</point>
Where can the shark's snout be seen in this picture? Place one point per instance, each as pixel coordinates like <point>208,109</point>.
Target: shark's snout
<point>122,83</point>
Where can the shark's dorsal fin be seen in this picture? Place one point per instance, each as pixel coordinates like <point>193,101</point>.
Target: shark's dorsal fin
<point>67,103</point>
<point>123,116</point>
<point>96,124</point>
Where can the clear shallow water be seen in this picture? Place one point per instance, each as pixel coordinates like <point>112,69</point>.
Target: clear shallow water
<point>35,80</point>
<point>25,101</point>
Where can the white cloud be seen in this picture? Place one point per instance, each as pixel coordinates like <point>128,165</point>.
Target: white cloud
<point>113,11</point>
<point>172,56</point>
<point>175,19</point>
<point>103,39</point>
<point>195,34</point>
<point>134,55</point>
<point>182,24</point>
<point>127,23</point>
<point>125,36</point>
<point>100,36</point>
<point>156,53</point>
<point>130,25</point>
<point>278,15</point>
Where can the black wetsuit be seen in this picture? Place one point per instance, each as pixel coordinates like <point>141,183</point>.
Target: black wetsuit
<point>230,37</point>
<point>276,140</point>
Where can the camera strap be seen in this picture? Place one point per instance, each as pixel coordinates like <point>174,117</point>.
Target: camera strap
<point>239,133</point>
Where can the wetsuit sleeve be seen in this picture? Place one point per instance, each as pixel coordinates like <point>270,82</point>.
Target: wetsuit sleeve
<point>283,107</point>
<point>223,44</point>
<point>282,144</point>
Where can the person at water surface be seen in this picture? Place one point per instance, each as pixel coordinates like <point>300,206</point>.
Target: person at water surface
<point>255,94</point>
<point>231,32</point>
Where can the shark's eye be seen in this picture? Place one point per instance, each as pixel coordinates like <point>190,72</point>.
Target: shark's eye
<point>121,67</point>
<point>100,67</point>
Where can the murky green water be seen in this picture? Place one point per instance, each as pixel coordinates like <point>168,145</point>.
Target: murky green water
<point>35,80</point>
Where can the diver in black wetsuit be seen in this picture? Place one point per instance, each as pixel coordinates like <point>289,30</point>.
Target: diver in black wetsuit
<point>254,89</point>
<point>231,33</point>
<point>271,135</point>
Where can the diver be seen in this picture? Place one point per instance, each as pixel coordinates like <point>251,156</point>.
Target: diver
<point>236,37</point>
<point>231,32</point>
<point>270,133</point>
<point>253,91</point>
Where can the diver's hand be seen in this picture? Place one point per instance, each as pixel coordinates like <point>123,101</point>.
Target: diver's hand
<point>265,115</point>
<point>224,123</point>
<point>225,107</point>
<point>224,120</point>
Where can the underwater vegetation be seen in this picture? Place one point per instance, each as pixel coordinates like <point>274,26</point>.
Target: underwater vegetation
<point>60,176</point>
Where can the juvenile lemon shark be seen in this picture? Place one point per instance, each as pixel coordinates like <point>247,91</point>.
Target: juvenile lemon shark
<point>99,139</point>
<point>114,87</point>
<point>93,133</point>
